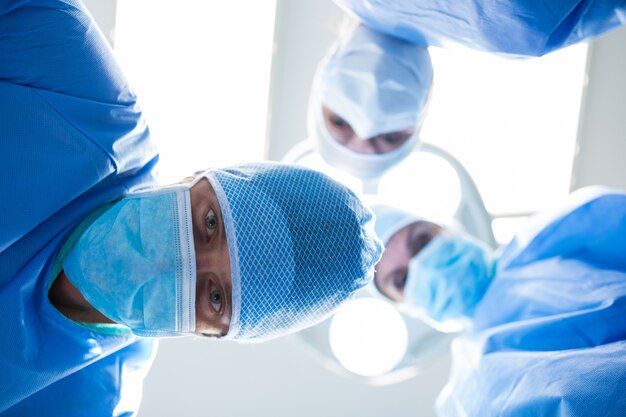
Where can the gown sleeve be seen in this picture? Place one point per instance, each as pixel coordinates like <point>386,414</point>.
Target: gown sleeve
<point>109,387</point>
<point>549,336</point>
<point>518,27</point>
<point>590,227</point>
<point>72,136</point>
<point>55,46</point>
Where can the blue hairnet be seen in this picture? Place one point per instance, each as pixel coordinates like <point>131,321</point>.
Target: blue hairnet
<point>300,243</point>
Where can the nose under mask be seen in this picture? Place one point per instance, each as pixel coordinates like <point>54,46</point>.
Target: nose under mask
<point>136,263</point>
<point>447,279</point>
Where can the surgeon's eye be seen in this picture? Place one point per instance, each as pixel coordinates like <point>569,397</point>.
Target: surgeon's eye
<point>421,235</point>
<point>211,222</point>
<point>398,281</point>
<point>338,122</point>
<point>420,241</point>
<point>216,300</point>
<point>391,138</point>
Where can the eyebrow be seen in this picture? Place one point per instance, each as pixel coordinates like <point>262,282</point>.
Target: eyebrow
<point>229,295</point>
<point>229,286</point>
<point>223,224</point>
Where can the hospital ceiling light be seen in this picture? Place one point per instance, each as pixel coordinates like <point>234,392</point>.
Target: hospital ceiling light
<point>368,336</point>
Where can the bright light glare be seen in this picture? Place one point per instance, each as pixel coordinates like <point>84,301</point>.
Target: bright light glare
<point>424,184</point>
<point>201,71</point>
<point>368,336</point>
<point>511,122</point>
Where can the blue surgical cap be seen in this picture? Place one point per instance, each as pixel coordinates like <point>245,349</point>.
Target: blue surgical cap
<point>300,243</point>
<point>390,220</point>
<point>378,84</point>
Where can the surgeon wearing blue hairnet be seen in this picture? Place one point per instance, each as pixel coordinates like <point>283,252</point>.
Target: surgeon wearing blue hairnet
<point>97,260</point>
<point>520,27</point>
<point>368,102</point>
<point>543,323</point>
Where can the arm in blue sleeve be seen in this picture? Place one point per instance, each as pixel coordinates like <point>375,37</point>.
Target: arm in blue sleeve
<point>593,231</point>
<point>72,135</point>
<point>517,27</point>
<point>107,387</point>
<point>55,45</point>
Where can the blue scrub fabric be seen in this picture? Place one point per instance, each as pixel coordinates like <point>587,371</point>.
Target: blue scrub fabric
<point>519,27</point>
<point>72,139</point>
<point>549,337</point>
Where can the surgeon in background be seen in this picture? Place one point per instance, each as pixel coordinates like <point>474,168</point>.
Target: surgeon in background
<point>407,235</point>
<point>543,321</point>
<point>368,101</point>
<point>97,260</point>
<point>525,28</point>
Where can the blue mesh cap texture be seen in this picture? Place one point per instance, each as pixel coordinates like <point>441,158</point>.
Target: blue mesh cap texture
<point>300,243</point>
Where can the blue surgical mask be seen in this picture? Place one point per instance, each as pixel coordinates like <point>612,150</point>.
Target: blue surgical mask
<point>447,279</point>
<point>136,263</point>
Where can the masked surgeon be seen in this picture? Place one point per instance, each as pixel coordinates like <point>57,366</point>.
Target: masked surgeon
<point>96,260</point>
<point>525,28</point>
<point>368,102</point>
<point>543,324</point>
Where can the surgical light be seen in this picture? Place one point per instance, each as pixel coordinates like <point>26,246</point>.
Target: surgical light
<point>368,336</point>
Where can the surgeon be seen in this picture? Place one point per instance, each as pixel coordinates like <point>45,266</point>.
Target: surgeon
<point>526,28</point>
<point>97,260</point>
<point>543,324</point>
<point>409,239</point>
<point>368,101</point>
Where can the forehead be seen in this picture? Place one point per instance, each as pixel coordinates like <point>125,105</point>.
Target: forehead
<point>395,251</point>
<point>201,191</point>
<point>400,249</point>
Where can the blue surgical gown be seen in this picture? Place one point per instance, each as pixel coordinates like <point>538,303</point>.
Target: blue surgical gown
<point>518,27</point>
<point>72,138</point>
<point>549,336</point>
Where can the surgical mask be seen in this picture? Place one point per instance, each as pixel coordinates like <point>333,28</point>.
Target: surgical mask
<point>447,279</point>
<point>136,263</point>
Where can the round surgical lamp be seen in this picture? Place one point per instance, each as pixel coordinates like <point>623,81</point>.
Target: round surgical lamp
<point>368,336</point>
<point>369,340</point>
<point>364,340</point>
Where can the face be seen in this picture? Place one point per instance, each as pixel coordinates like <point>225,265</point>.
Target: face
<point>343,133</point>
<point>391,271</point>
<point>214,281</point>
